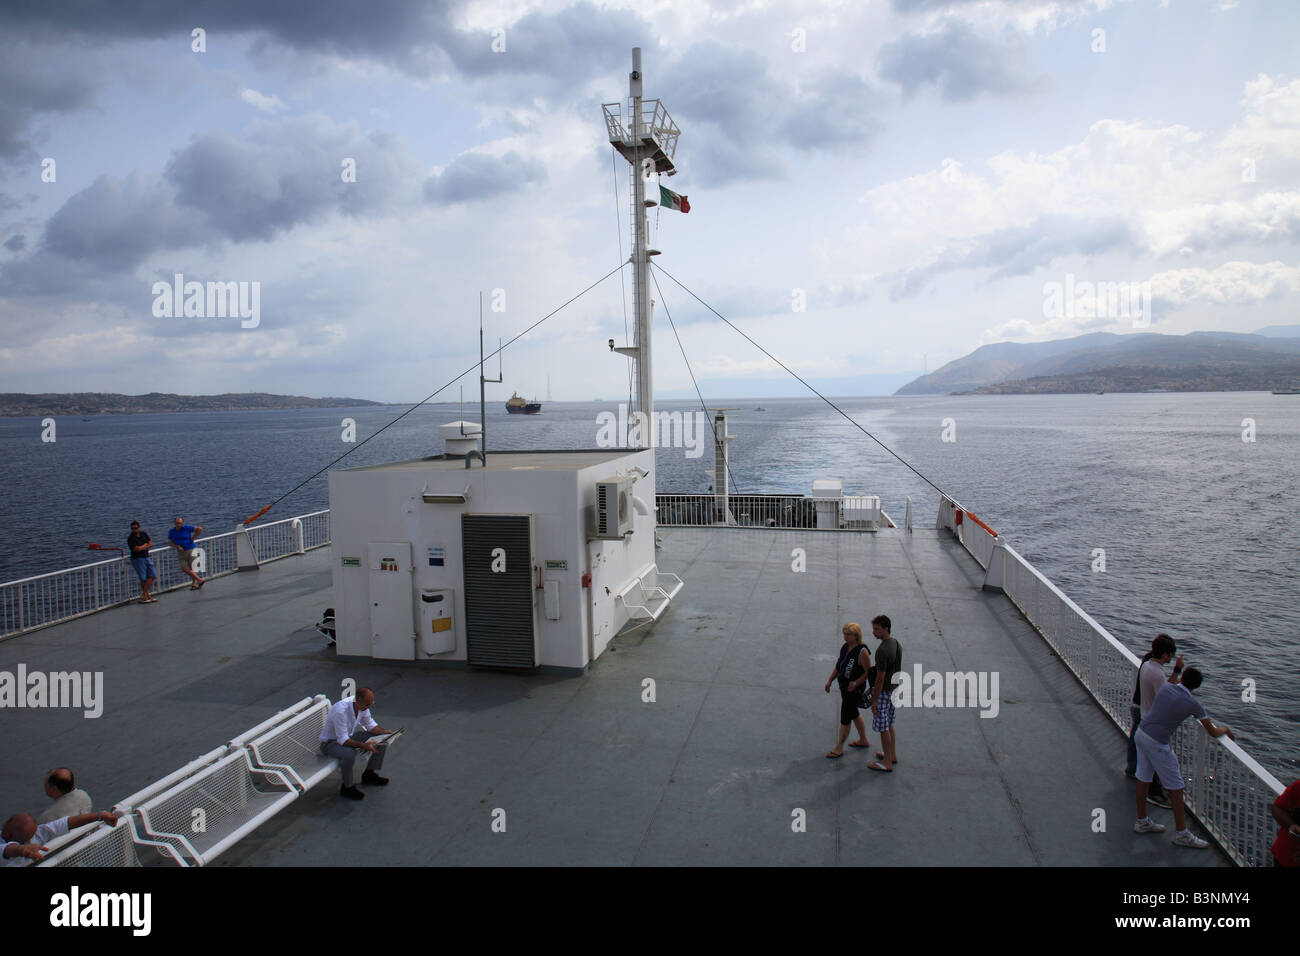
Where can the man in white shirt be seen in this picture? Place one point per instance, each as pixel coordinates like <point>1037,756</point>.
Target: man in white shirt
<point>348,729</point>
<point>24,838</point>
<point>68,800</point>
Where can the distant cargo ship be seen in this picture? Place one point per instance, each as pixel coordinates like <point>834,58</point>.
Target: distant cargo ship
<point>517,406</point>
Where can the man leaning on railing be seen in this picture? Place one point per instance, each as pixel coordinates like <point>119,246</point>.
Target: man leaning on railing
<point>182,535</point>
<point>24,838</point>
<point>1173,704</point>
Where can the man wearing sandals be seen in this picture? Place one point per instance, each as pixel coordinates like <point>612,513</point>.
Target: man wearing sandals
<point>889,660</point>
<point>182,536</point>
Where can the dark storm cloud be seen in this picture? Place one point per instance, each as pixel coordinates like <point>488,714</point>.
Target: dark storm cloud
<point>958,62</point>
<point>33,82</point>
<point>739,116</point>
<point>116,222</point>
<point>577,42</point>
<point>16,243</point>
<point>250,188</point>
<point>1021,250</point>
<point>397,31</point>
<point>474,176</point>
<point>280,175</point>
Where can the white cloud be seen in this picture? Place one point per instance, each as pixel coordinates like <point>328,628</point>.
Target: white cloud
<point>267,104</point>
<point>1176,188</point>
<point>1233,283</point>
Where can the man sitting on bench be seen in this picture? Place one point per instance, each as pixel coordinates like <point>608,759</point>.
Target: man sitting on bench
<point>348,728</point>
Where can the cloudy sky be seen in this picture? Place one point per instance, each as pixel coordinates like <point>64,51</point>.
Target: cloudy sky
<point>916,172</point>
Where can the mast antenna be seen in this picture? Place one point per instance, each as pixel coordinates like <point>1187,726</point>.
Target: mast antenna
<point>645,135</point>
<point>482,388</point>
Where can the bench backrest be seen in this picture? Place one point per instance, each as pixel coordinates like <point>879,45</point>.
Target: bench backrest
<point>294,746</point>
<point>104,846</point>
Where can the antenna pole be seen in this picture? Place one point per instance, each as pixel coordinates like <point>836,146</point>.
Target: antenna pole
<point>482,386</point>
<point>648,141</point>
<point>641,261</point>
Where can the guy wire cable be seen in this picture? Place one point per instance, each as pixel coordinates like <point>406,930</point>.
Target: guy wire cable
<point>712,425</point>
<point>846,416</point>
<point>423,401</point>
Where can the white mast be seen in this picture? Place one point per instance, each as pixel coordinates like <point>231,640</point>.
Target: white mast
<point>648,143</point>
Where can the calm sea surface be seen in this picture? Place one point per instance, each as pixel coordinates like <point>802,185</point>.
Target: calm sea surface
<point>1198,526</point>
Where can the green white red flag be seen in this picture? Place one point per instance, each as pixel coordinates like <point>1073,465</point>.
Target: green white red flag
<point>670,200</point>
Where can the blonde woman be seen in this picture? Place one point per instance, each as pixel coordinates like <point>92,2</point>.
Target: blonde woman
<point>851,672</point>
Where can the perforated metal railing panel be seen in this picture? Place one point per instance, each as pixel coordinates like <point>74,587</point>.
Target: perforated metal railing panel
<point>113,846</point>
<point>297,744</point>
<point>498,560</point>
<point>225,795</point>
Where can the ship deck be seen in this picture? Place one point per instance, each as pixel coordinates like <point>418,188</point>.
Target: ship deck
<point>712,772</point>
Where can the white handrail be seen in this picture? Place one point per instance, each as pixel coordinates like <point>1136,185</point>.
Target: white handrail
<point>1230,799</point>
<point>141,796</point>
<point>282,717</point>
<point>69,593</point>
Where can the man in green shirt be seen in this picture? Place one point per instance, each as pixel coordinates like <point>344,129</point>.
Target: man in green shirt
<point>889,661</point>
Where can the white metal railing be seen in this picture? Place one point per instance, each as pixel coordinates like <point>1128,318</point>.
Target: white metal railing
<point>1227,789</point>
<point>46,599</point>
<point>848,512</point>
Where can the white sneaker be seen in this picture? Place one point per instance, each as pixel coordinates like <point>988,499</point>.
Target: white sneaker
<point>1148,826</point>
<point>1187,838</point>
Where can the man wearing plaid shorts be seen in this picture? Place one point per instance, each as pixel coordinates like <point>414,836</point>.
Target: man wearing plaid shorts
<point>889,661</point>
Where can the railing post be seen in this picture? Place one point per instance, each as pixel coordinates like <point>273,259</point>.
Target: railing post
<point>297,536</point>
<point>995,575</point>
<point>245,558</point>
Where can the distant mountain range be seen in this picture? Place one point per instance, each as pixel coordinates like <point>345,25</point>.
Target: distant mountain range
<point>736,389</point>
<point>1104,361</point>
<point>16,404</point>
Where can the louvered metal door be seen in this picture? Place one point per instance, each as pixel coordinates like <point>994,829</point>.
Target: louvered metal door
<point>498,603</point>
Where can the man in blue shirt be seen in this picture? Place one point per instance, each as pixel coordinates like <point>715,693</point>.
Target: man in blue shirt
<point>1173,704</point>
<point>182,536</point>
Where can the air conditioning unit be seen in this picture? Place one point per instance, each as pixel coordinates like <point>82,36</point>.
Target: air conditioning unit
<point>614,507</point>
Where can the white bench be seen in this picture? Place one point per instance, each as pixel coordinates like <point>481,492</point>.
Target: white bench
<point>648,594</point>
<point>214,807</point>
<point>104,845</point>
<point>290,743</point>
<point>237,786</point>
<point>293,747</point>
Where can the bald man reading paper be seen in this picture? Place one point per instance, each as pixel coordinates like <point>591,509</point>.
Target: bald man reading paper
<point>348,729</point>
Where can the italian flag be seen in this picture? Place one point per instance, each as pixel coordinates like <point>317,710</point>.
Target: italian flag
<point>670,200</point>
